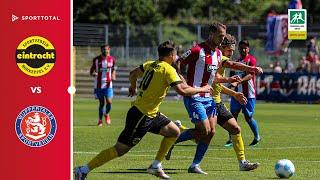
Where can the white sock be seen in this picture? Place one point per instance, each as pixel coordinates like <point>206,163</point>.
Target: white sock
<point>242,161</point>
<point>85,169</point>
<point>194,165</point>
<point>156,164</point>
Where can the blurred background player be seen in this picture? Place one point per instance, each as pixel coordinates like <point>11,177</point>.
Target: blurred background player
<point>144,115</point>
<point>247,87</point>
<point>104,71</point>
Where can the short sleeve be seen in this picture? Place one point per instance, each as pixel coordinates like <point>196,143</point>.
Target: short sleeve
<point>253,61</point>
<point>172,77</point>
<point>191,55</point>
<point>223,60</point>
<point>145,65</point>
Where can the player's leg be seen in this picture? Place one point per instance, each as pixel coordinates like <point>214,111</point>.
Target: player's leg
<point>189,133</point>
<point>204,138</point>
<point>133,132</point>
<point>100,96</point>
<point>205,121</point>
<point>229,123</point>
<point>163,126</point>
<point>109,96</point>
<point>248,112</point>
<point>235,108</point>
<point>182,128</point>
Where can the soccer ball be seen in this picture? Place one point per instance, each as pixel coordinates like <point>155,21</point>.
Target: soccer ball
<point>284,168</point>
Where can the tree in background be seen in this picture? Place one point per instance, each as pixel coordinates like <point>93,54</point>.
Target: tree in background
<point>141,12</point>
<point>116,12</point>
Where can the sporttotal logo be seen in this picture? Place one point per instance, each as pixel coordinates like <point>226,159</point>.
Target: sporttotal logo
<point>14,17</point>
<point>35,126</point>
<point>35,18</point>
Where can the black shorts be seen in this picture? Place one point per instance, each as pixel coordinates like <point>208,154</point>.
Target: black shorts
<point>138,124</point>
<point>223,114</point>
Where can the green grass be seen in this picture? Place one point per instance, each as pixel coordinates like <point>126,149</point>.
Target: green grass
<point>289,131</point>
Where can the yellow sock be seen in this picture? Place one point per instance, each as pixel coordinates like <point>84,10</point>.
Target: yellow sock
<point>166,143</point>
<point>183,128</point>
<point>238,146</point>
<point>103,157</point>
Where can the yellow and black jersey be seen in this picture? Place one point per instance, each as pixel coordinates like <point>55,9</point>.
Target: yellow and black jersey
<point>158,76</point>
<point>217,86</point>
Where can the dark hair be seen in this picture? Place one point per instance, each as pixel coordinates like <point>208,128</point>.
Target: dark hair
<point>165,48</point>
<point>244,42</point>
<point>215,26</point>
<point>228,40</point>
<point>103,46</point>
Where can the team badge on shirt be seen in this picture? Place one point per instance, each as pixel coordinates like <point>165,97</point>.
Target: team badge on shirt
<point>35,56</point>
<point>35,126</point>
<point>186,54</point>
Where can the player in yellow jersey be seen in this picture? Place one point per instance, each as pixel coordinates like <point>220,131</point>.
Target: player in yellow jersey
<point>144,115</point>
<point>225,118</point>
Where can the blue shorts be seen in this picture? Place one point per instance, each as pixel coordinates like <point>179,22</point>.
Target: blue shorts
<point>199,108</point>
<point>247,109</point>
<point>105,92</point>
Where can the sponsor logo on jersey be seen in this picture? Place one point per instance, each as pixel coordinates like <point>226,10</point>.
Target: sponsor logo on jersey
<point>186,54</point>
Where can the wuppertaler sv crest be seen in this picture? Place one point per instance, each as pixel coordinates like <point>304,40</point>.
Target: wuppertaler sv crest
<point>35,126</point>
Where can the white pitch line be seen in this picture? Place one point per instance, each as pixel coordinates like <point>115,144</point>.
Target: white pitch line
<point>219,149</point>
<point>186,158</point>
<point>248,148</point>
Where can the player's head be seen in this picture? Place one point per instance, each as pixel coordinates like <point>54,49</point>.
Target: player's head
<point>228,45</point>
<point>167,51</point>
<point>105,49</point>
<point>244,48</point>
<point>217,32</point>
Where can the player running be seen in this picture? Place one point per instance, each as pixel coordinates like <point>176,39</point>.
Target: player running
<point>225,118</point>
<point>247,87</point>
<point>144,115</point>
<point>203,60</point>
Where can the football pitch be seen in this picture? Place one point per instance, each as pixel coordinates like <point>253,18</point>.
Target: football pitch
<point>288,131</point>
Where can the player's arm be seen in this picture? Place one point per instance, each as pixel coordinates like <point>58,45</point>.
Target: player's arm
<point>93,68</point>
<point>182,88</point>
<point>113,75</point>
<point>182,78</point>
<point>242,67</point>
<point>186,90</point>
<point>237,95</point>
<point>133,77</point>
<point>220,79</point>
<point>187,57</point>
<point>243,80</point>
<point>113,70</point>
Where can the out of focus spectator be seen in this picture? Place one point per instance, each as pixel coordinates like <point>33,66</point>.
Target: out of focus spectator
<point>315,66</point>
<point>304,66</point>
<point>312,46</point>
<point>289,67</point>
<point>194,43</point>
<point>312,56</point>
<point>277,67</point>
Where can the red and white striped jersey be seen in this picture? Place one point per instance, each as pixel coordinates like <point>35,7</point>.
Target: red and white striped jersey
<point>203,63</point>
<point>247,88</point>
<point>103,66</point>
